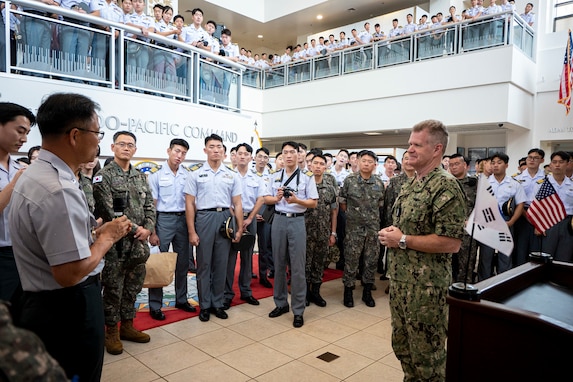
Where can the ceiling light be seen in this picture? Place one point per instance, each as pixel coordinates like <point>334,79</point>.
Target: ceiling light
<point>319,17</point>
<point>260,36</point>
<point>373,133</point>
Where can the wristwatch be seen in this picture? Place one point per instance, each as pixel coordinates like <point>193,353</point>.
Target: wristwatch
<point>334,234</point>
<point>402,243</point>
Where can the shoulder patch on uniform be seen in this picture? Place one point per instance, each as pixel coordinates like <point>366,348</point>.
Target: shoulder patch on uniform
<point>196,167</point>
<point>231,168</point>
<point>185,168</point>
<point>516,174</point>
<point>272,171</point>
<point>256,172</point>
<point>97,179</point>
<point>309,173</point>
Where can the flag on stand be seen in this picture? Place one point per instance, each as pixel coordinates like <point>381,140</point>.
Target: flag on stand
<point>490,228</point>
<point>566,80</point>
<point>546,209</point>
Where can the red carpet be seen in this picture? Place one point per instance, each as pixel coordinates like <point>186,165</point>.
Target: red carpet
<point>143,320</point>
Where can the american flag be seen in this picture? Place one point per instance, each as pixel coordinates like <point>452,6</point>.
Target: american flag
<point>566,81</point>
<point>547,209</point>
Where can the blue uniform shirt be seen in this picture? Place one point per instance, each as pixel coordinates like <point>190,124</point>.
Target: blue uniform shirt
<point>5,177</point>
<point>167,188</point>
<point>305,189</point>
<point>212,189</point>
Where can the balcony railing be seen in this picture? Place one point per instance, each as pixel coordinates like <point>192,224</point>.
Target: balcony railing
<point>452,39</point>
<point>57,43</point>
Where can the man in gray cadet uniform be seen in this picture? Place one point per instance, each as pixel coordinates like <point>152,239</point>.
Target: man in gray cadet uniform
<point>253,188</point>
<point>171,228</point>
<point>211,188</point>
<point>15,123</point>
<point>292,192</point>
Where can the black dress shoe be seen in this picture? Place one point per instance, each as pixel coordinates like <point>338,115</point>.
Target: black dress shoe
<point>157,315</point>
<point>278,311</point>
<point>219,313</point>
<point>266,283</point>
<point>204,315</point>
<point>254,276</point>
<point>226,304</point>
<point>298,321</point>
<point>186,307</point>
<point>250,300</point>
<point>271,274</point>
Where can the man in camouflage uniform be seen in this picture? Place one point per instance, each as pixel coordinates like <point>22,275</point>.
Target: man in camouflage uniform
<point>390,195</point>
<point>464,262</point>
<point>23,356</point>
<point>87,188</point>
<point>320,225</point>
<point>124,270</point>
<point>428,219</point>
<point>361,196</point>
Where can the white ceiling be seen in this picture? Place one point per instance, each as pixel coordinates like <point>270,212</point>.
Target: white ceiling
<point>282,31</point>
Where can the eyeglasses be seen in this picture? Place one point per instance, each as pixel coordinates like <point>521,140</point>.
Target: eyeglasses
<point>123,145</point>
<point>99,134</point>
<point>533,158</point>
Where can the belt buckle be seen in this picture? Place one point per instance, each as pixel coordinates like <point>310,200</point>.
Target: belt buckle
<point>219,209</point>
<point>289,214</point>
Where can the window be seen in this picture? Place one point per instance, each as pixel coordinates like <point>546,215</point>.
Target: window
<point>563,15</point>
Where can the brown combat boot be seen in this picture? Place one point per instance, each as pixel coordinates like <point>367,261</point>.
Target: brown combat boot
<point>129,333</point>
<point>112,343</point>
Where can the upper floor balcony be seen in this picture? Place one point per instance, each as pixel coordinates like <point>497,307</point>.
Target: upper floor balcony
<point>486,32</point>
<point>52,42</point>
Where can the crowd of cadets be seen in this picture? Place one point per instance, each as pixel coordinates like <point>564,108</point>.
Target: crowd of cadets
<point>199,35</point>
<point>522,187</point>
<point>328,46</point>
<point>514,194</point>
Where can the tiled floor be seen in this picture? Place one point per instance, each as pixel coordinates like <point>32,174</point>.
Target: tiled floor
<point>250,346</point>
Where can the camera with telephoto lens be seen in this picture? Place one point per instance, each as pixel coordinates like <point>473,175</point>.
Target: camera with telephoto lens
<point>287,192</point>
<point>205,43</point>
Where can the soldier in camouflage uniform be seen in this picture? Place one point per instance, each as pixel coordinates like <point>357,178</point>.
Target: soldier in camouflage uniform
<point>23,356</point>
<point>361,196</point>
<point>320,225</point>
<point>87,188</point>
<point>428,219</point>
<point>124,270</point>
<point>462,269</point>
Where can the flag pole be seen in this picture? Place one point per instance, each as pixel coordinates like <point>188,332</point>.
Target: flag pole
<point>541,257</point>
<point>465,291</point>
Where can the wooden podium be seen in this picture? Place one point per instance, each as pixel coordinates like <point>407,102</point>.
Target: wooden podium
<point>521,329</point>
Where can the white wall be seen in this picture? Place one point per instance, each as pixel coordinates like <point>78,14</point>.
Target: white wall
<point>154,120</point>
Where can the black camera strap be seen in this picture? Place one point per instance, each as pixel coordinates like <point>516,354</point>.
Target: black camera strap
<point>297,173</point>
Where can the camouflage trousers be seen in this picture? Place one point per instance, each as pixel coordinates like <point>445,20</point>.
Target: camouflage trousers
<point>122,280</point>
<point>316,255</point>
<point>419,330</point>
<point>466,260</point>
<point>360,242</point>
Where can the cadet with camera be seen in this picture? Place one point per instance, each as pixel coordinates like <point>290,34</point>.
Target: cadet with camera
<point>292,192</point>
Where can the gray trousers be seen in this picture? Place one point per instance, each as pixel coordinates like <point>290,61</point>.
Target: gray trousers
<point>289,240</point>
<point>212,257</point>
<point>245,274</point>
<point>172,229</point>
<point>559,242</point>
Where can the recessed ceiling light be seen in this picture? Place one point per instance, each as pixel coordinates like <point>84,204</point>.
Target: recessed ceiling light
<point>260,36</point>
<point>319,17</point>
<point>373,133</point>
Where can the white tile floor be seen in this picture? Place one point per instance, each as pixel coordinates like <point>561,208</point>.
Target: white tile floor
<point>250,346</point>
